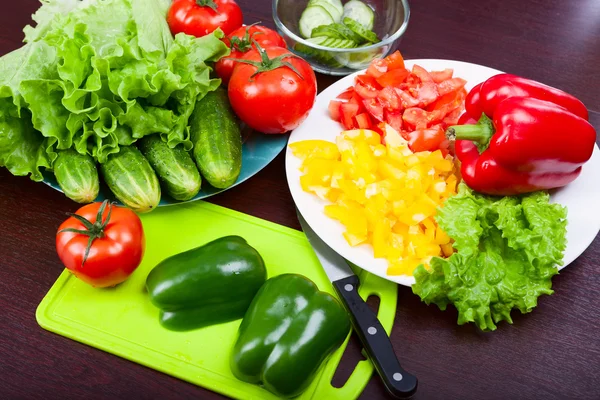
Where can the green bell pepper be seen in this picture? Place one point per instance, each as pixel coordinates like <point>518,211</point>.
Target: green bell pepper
<point>207,285</point>
<point>287,333</point>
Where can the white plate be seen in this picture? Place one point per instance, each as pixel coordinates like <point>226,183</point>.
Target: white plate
<point>582,197</point>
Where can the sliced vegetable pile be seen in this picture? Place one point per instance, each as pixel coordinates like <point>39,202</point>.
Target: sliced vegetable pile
<point>496,244</point>
<point>386,196</point>
<point>420,104</point>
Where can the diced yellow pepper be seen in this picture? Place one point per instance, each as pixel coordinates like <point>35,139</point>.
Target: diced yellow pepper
<point>315,149</point>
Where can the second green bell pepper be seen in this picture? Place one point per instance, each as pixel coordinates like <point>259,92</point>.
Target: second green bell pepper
<point>207,285</point>
<point>287,333</point>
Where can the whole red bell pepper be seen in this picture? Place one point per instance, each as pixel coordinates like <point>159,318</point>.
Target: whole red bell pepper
<point>521,143</point>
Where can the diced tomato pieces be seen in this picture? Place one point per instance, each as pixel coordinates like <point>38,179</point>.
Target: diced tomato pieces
<point>406,100</point>
<point>421,73</point>
<point>452,117</point>
<point>389,98</point>
<point>426,139</point>
<point>440,76</point>
<point>334,109</point>
<point>450,101</point>
<point>346,94</point>
<point>363,121</point>
<point>377,68</point>
<point>427,93</point>
<point>393,78</point>
<point>348,111</point>
<point>394,119</point>
<point>368,81</point>
<point>451,85</point>
<point>395,61</point>
<point>415,118</point>
<point>365,91</point>
<point>374,107</point>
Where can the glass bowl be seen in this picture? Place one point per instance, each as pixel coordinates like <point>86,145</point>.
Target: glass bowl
<point>391,21</point>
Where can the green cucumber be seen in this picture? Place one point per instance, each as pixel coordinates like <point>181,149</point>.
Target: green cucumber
<point>175,167</point>
<point>333,7</point>
<point>77,176</point>
<point>358,60</point>
<point>333,43</point>
<point>312,17</point>
<point>322,56</point>
<point>357,28</point>
<point>327,31</point>
<point>359,12</point>
<point>132,180</point>
<point>217,139</point>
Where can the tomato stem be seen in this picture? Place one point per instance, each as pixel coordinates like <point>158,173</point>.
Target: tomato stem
<point>207,3</point>
<point>244,44</point>
<point>269,64</point>
<point>93,230</point>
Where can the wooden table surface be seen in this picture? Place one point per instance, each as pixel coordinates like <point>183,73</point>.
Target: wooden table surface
<point>551,353</point>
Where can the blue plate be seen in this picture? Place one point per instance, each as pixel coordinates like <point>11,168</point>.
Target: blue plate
<point>258,150</point>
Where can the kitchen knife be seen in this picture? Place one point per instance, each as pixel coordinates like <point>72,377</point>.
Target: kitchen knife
<point>398,382</point>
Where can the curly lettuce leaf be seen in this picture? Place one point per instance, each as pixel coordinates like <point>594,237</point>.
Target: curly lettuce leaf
<point>99,74</point>
<point>507,250</point>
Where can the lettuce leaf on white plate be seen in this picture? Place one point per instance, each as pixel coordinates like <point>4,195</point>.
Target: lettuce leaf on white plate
<point>98,74</point>
<point>507,250</point>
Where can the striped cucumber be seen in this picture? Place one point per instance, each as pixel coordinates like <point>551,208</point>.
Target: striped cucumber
<point>217,139</point>
<point>175,167</point>
<point>131,179</point>
<point>77,176</point>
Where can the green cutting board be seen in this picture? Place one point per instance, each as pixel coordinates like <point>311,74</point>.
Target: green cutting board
<point>122,321</point>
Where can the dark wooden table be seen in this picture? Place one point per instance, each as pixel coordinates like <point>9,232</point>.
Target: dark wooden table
<point>551,353</point>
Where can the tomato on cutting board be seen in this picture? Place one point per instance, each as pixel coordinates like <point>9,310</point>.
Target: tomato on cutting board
<point>241,41</point>
<point>272,90</point>
<point>201,17</point>
<point>419,104</point>
<point>101,244</point>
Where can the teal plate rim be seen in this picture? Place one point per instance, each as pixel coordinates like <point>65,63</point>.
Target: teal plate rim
<point>258,150</point>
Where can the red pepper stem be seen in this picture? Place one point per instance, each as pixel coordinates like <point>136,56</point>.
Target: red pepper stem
<point>481,132</point>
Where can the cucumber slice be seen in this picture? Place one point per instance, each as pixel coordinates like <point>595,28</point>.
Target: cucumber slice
<point>357,28</point>
<point>333,42</point>
<point>333,7</point>
<point>359,12</point>
<point>357,60</point>
<point>322,56</point>
<point>312,17</point>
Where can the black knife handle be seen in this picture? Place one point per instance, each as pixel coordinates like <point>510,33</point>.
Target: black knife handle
<point>377,343</point>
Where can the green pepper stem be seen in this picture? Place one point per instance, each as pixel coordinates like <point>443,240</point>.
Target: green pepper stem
<point>481,132</point>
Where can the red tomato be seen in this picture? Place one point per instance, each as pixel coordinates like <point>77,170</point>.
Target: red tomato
<point>426,139</point>
<point>395,61</point>
<point>374,108</point>
<point>368,81</point>
<point>393,78</point>
<point>201,17</point>
<point>365,91</point>
<point>240,41</point>
<point>427,93</point>
<point>451,85</point>
<point>346,94</point>
<point>363,121</point>
<point>377,68</point>
<point>421,73</point>
<point>117,246</point>
<point>394,119</point>
<point>440,76</point>
<point>334,109</point>
<point>349,111</point>
<point>275,93</point>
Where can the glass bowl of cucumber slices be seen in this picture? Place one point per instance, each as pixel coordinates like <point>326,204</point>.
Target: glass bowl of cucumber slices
<point>339,37</point>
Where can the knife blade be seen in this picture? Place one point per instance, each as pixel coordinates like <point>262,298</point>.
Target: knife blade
<point>374,338</point>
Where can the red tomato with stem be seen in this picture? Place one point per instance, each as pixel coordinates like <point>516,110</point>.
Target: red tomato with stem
<point>201,17</point>
<point>101,245</point>
<point>272,90</point>
<point>240,41</point>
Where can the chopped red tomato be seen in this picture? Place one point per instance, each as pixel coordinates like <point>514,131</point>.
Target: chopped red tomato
<point>334,109</point>
<point>426,139</point>
<point>451,85</point>
<point>373,107</point>
<point>346,94</point>
<point>393,78</point>
<point>348,111</point>
<point>421,73</point>
<point>363,121</point>
<point>419,104</point>
<point>441,76</point>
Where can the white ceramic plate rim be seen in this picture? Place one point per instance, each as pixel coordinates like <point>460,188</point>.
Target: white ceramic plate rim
<point>582,197</point>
